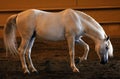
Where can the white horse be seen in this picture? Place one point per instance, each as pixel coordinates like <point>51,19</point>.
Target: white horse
<point>68,24</point>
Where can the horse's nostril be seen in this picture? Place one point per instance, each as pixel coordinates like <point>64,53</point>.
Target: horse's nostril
<point>103,62</point>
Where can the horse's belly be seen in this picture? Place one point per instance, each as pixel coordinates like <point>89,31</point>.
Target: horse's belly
<point>52,37</point>
<point>53,34</point>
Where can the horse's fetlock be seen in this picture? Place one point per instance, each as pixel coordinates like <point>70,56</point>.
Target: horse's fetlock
<point>75,70</point>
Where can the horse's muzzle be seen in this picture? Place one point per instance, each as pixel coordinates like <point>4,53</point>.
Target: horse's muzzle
<point>103,61</point>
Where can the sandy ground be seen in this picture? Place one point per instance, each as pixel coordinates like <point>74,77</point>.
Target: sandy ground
<point>57,69</point>
<point>53,63</point>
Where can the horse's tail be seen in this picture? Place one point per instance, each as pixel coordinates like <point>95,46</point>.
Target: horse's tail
<point>10,36</point>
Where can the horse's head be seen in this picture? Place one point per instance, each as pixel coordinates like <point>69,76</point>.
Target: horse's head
<point>104,49</point>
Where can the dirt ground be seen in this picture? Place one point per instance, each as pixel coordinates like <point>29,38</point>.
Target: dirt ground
<point>52,62</point>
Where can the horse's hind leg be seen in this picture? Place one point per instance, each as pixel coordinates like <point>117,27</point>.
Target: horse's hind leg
<point>22,51</point>
<point>28,54</point>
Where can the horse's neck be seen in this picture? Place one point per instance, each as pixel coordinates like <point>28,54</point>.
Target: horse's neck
<point>94,30</point>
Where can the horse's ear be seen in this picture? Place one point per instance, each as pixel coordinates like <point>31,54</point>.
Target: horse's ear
<point>107,38</point>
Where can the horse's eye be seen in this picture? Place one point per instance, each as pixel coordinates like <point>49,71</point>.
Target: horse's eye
<point>107,48</point>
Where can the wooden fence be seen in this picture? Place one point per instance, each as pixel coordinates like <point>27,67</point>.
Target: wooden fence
<point>106,12</point>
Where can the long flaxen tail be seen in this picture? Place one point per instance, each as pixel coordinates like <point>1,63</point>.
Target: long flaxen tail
<point>10,35</point>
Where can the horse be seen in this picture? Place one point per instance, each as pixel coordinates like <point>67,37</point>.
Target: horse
<point>70,25</point>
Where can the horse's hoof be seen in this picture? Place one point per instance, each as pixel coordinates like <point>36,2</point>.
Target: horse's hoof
<point>76,70</point>
<point>35,72</point>
<point>26,73</point>
<point>82,59</point>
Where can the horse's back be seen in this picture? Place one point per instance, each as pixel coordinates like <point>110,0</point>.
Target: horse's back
<point>57,25</point>
<point>32,15</point>
<point>51,25</point>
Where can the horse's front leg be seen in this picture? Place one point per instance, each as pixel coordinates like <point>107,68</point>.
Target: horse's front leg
<point>86,49</point>
<point>71,45</point>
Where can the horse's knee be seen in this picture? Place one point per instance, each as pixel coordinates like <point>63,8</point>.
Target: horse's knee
<point>87,47</point>
<point>21,52</point>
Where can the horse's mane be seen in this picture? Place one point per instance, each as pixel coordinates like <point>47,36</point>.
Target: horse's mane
<point>92,21</point>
